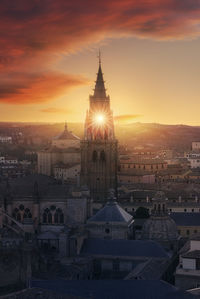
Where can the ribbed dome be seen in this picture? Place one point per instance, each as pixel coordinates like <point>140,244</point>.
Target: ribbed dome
<point>160,228</point>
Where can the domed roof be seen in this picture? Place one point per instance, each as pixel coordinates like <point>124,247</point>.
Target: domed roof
<point>66,135</point>
<point>160,226</point>
<point>111,212</point>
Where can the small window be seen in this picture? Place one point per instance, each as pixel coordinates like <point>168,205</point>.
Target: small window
<point>107,230</point>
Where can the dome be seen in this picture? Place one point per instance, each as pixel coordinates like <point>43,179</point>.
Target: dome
<point>66,135</point>
<point>160,226</point>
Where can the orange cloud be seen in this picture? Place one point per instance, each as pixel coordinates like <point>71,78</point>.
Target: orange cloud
<point>32,33</point>
<point>126,118</point>
<point>55,110</point>
<point>23,88</point>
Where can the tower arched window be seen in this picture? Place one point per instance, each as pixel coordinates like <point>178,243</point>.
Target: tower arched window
<point>94,156</point>
<point>102,156</point>
<point>106,135</point>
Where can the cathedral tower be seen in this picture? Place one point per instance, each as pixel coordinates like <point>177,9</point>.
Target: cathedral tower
<point>99,146</point>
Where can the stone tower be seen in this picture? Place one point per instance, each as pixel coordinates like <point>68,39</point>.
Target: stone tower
<point>99,146</point>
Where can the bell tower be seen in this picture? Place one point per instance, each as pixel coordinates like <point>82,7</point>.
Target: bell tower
<point>99,146</point>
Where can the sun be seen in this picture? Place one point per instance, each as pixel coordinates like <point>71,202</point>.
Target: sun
<point>99,118</point>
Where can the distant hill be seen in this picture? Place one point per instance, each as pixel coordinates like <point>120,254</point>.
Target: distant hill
<point>135,134</point>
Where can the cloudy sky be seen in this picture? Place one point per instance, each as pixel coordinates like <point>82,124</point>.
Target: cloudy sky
<point>150,59</point>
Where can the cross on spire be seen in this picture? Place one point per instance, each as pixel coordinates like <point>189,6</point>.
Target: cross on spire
<point>99,57</point>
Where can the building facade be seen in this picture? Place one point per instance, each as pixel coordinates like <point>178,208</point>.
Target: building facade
<point>65,151</point>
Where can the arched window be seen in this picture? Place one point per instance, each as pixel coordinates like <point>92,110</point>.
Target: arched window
<point>53,216</point>
<point>44,218</point>
<point>47,216</point>
<point>21,207</point>
<point>17,215</point>
<point>58,216</point>
<point>102,156</point>
<point>94,156</point>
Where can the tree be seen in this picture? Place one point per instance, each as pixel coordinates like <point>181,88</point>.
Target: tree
<point>142,212</point>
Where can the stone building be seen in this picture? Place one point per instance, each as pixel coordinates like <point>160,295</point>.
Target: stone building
<point>111,222</point>
<point>187,274</point>
<point>42,207</point>
<point>151,165</point>
<point>188,223</point>
<point>65,151</point>
<point>160,226</point>
<point>99,146</point>
<point>117,258</point>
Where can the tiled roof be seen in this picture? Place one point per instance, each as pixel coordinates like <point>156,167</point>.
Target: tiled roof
<point>186,219</point>
<point>192,254</point>
<point>151,269</point>
<point>24,187</point>
<point>126,248</point>
<point>111,212</point>
<point>114,289</point>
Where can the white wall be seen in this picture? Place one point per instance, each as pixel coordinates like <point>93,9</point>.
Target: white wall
<point>194,245</point>
<point>189,264</point>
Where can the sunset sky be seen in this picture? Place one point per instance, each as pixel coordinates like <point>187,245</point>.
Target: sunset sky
<point>150,59</point>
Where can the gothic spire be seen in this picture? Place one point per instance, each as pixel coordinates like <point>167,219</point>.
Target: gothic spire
<point>99,91</point>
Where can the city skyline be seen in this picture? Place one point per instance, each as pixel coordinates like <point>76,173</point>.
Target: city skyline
<point>149,59</point>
